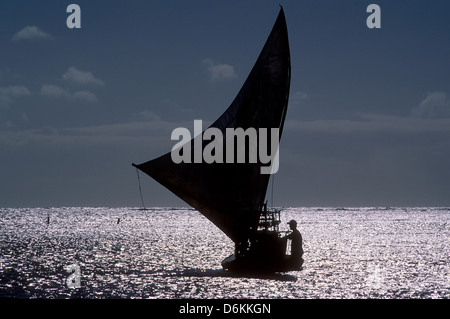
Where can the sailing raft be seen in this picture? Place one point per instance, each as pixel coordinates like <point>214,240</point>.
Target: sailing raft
<point>231,195</point>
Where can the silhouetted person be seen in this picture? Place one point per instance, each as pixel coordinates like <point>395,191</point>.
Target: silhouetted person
<point>296,244</point>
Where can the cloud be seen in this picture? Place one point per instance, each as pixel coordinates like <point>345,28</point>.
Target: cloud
<point>434,105</point>
<point>431,115</point>
<point>32,33</point>
<point>372,123</point>
<point>14,91</point>
<point>298,97</point>
<point>85,96</point>
<point>149,115</point>
<point>7,94</point>
<point>54,91</point>
<point>73,75</point>
<point>219,72</point>
<point>81,77</point>
<point>154,132</point>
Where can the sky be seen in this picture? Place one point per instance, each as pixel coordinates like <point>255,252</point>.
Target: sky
<point>368,121</point>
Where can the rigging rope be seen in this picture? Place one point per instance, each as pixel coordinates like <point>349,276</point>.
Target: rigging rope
<point>140,189</point>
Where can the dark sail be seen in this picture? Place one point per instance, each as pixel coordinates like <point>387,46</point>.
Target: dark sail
<point>230,195</point>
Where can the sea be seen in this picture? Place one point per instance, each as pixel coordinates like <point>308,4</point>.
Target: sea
<point>176,253</point>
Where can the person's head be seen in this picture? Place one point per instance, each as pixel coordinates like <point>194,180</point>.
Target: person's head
<point>292,224</point>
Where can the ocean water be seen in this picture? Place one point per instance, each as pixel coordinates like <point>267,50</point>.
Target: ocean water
<point>176,253</point>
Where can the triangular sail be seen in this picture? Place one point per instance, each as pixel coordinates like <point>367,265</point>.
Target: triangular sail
<point>230,195</point>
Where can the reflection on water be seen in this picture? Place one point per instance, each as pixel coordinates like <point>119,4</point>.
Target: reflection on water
<point>228,274</point>
<point>176,253</point>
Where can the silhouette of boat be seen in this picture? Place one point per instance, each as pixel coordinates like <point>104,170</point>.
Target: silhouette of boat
<point>231,195</point>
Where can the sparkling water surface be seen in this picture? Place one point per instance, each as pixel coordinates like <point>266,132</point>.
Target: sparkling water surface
<point>176,253</point>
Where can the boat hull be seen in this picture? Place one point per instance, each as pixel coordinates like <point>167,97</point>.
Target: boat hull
<point>253,264</point>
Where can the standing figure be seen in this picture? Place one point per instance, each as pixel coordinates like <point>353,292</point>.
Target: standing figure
<point>296,244</point>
